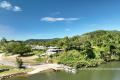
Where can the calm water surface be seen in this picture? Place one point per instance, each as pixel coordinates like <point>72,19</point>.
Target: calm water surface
<point>80,75</point>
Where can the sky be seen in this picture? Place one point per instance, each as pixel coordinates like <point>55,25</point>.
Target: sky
<point>46,19</point>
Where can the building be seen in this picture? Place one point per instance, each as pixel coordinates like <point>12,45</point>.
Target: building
<point>37,47</point>
<point>53,50</point>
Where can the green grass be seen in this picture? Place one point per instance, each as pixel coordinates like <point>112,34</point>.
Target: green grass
<point>13,70</point>
<point>6,67</point>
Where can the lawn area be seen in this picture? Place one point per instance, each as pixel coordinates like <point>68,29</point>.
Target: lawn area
<point>27,60</point>
<point>12,70</point>
<point>6,67</point>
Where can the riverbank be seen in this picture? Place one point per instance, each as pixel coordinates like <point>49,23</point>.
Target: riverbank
<point>36,69</point>
<point>91,74</point>
<point>11,75</point>
<point>39,68</point>
<point>29,71</point>
<point>14,72</point>
<point>44,67</point>
<point>55,67</point>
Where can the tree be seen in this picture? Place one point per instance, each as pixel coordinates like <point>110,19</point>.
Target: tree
<point>3,44</point>
<point>112,49</point>
<point>10,47</point>
<point>21,49</point>
<point>3,40</point>
<point>66,44</point>
<point>89,51</point>
<point>102,55</point>
<point>87,45</point>
<point>119,55</point>
<point>19,63</point>
<point>118,52</point>
<point>18,48</point>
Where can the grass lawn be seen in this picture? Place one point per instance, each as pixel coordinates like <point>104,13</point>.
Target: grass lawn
<point>6,67</point>
<point>12,70</point>
<point>29,60</point>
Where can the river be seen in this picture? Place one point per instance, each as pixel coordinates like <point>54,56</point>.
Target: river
<point>109,74</point>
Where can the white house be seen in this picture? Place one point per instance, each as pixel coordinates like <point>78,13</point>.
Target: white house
<point>37,47</point>
<point>53,50</point>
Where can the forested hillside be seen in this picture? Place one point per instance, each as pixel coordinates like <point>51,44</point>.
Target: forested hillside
<point>90,49</point>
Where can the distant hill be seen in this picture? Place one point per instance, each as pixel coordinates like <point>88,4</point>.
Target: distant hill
<point>37,40</point>
<point>99,37</point>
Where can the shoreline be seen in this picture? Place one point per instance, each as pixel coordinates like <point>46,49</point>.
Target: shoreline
<point>54,67</point>
<point>37,69</point>
<point>3,77</point>
<point>44,67</point>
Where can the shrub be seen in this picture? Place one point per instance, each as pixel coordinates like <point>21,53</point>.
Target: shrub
<point>19,63</point>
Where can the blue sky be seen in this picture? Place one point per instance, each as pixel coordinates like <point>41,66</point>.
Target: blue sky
<point>44,19</point>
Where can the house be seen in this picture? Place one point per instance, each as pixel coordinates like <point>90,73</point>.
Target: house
<point>37,47</point>
<point>53,50</point>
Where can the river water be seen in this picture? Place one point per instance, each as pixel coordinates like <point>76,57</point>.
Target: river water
<point>109,74</point>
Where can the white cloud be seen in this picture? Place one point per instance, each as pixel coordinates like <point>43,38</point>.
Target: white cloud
<point>52,19</point>
<point>71,19</point>
<point>17,8</point>
<point>8,6</point>
<point>5,5</point>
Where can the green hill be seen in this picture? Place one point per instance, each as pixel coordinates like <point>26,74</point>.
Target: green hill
<point>90,49</point>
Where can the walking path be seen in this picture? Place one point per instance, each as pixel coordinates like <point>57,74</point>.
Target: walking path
<point>1,56</point>
<point>43,67</point>
<point>4,62</point>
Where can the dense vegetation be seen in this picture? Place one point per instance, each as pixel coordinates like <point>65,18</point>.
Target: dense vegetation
<point>14,47</point>
<point>90,49</point>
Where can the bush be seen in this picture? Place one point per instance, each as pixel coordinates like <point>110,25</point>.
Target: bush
<point>81,64</point>
<point>19,63</point>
